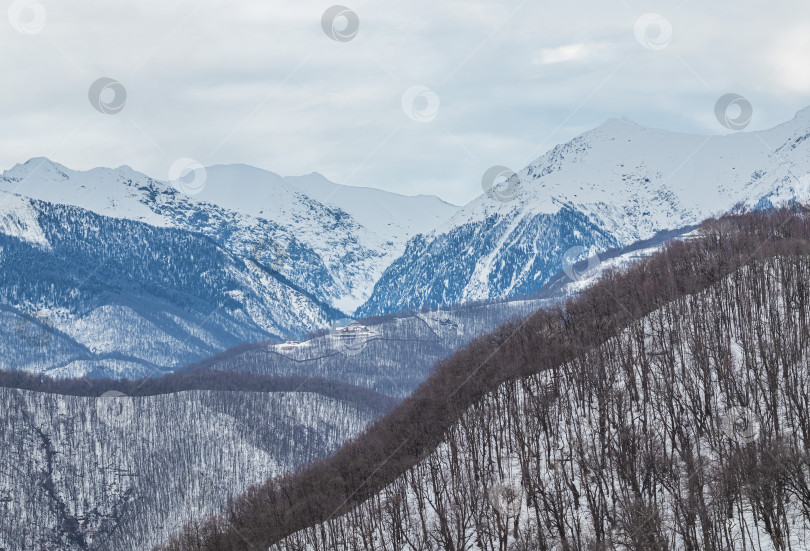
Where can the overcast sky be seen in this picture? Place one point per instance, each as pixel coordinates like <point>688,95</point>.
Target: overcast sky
<point>262,83</point>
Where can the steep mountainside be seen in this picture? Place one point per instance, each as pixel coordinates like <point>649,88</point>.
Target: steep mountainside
<point>83,294</point>
<point>610,187</point>
<point>663,408</point>
<point>109,473</point>
<point>73,297</point>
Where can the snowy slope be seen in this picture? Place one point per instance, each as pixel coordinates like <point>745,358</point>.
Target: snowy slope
<point>609,187</point>
<point>394,354</point>
<point>290,257</point>
<point>19,219</point>
<point>386,214</point>
<point>335,242</point>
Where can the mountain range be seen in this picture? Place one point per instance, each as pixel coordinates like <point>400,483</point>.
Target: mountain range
<point>125,275</point>
<point>109,272</point>
<point>332,240</point>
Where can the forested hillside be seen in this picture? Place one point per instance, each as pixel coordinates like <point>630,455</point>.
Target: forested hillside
<point>84,467</point>
<point>664,408</point>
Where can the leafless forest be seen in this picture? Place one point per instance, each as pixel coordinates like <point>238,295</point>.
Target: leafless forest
<point>81,472</point>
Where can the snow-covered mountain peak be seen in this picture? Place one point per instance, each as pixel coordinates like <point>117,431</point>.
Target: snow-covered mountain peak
<point>116,192</point>
<point>679,178</point>
<point>259,193</point>
<point>391,216</point>
<point>41,166</point>
<point>386,213</point>
<point>616,124</point>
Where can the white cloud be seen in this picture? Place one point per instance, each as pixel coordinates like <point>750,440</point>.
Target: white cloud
<point>570,52</point>
<point>789,59</point>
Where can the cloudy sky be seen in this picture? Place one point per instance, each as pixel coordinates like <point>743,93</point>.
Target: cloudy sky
<point>424,98</point>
